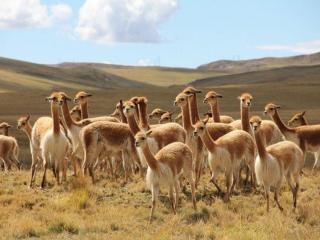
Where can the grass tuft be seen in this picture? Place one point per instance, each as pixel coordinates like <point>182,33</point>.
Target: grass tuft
<point>61,226</point>
<point>203,215</point>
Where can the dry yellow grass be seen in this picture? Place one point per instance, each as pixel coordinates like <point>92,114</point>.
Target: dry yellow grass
<point>11,79</point>
<point>111,210</point>
<point>160,76</point>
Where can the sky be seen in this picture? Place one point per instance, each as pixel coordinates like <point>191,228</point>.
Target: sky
<point>176,33</point>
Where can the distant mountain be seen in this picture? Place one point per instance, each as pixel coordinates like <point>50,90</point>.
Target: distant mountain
<point>19,75</point>
<point>229,66</point>
<point>301,75</point>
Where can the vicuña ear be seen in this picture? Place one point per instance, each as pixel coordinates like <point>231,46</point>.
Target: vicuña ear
<point>148,133</point>
<point>89,95</point>
<point>219,96</point>
<point>205,121</point>
<point>28,117</point>
<point>303,113</point>
<point>48,99</point>
<point>277,107</point>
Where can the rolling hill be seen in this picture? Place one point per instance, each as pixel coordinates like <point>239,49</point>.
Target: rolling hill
<point>159,76</point>
<point>19,75</point>
<point>287,75</point>
<point>240,66</point>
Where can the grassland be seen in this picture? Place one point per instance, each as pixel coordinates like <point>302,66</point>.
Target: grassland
<point>113,210</point>
<point>159,76</point>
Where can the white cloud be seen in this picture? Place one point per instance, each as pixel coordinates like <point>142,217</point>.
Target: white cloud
<point>31,13</point>
<point>145,62</point>
<point>106,21</point>
<point>61,12</point>
<point>106,62</point>
<point>302,48</point>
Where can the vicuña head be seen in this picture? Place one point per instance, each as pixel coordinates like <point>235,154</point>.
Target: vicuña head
<point>181,100</point>
<point>166,117</point>
<point>63,97</point>
<point>142,100</point>
<point>54,99</point>
<point>271,109</point>
<point>255,122</point>
<point>191,90</point>
<point>134,99</point>
<point>4,128</point>
<point>22,122</point>
<point>81,97</point>
<point>212,98</point>
<point>141,138</point>
<point>75,110</point>
<point>200,127</point>
<point>129,108</point>
<point>245,100</point>
<point>297,120</point>
<point>156,113</point>
<point>5,125</point>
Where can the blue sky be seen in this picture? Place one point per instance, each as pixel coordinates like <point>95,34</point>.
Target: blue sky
<point>181,33</point>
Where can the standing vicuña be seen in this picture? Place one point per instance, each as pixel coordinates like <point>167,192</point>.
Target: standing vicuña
<point>54,145</point>
<point>165,168</point>
<point>306,137</point>
<point>275,161</point>
<point>226,153</point>
<point>9,148</point>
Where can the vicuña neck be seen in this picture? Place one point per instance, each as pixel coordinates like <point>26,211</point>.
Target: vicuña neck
<point>66,115</point>
<point>84,110</point>
<point>283,128</point>
<point>261,145</point>
<point>55,118</point>
<point>152,162</point>
<point>122,116</point>
<point>186,121</point>
<point>215,112</point>
<point>28,129</point>
<point>245,119</point>
<point>137,114</point>
<point>208,141</point>
<point>143,116</point>
<point>194,109</point>
<point>133,124</point>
